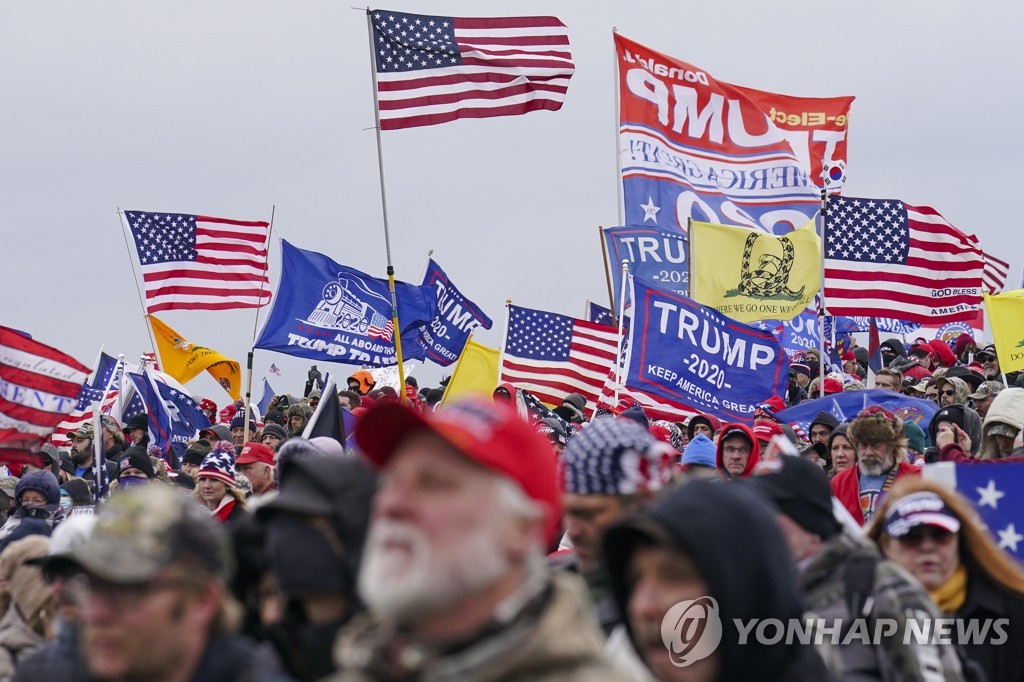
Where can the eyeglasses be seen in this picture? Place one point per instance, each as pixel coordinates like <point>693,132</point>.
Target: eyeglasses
<point>947,392</point>
<point>81,587</point>
<point>732,450</point>
<point>916,535</point>
<point>931,396</point>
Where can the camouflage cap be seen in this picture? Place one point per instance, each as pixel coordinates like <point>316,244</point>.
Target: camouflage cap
<point>84,431</point>
<point>109,422</point>
<point>987,389</point>
<point>140,532</point>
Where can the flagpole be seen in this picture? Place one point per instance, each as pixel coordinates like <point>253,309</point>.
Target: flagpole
<point>138,288</point>
<point>622,320</point>
<point>263,280</point>
<point>823,308</point>
<point>618,149</point>
<point>607,273</point>
<point>384,210</point>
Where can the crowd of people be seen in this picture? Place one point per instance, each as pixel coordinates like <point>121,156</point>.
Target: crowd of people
<point>496,538</point>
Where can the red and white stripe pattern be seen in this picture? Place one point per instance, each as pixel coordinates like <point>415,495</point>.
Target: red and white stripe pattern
<point>38,386</point>
<point>653,406</point>
<point>885,258</point>
<point>433,69</point>
<point>193,262</point>
<point>996,271</point>
<point>77,418</point>
<point>553,355</point>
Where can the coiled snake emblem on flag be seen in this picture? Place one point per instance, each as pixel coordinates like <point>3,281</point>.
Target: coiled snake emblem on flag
<point>771,278</point>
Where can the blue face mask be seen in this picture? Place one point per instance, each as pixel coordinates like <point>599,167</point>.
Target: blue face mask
<point>132,481</point>
<point>65,502</point>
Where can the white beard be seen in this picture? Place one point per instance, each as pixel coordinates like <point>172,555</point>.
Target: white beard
<point>870,466</point>
<point>416,580</point>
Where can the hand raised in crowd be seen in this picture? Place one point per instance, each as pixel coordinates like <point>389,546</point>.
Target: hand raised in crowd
<point>953,434</point>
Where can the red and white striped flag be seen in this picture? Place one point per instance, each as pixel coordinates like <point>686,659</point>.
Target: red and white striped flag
<point>194,262</point>
<point>77,418</point>
<point>996,271</point>
<point>553,355</point>
<point>885,258</point>
<point>38,386</point>
<point>433,69</point>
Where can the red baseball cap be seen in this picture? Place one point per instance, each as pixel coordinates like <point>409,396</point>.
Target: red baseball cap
<point>764,430</point>
<point>833,385</point>
<point>489,433</point>
<point>255,452</point>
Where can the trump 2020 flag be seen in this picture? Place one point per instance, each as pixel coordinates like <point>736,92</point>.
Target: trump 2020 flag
<point>433,69</point>
<point>749,275</point>
<point>446,335</point>
<point>992,488</point>
<point>694,147</point>
<point>653,254</point>
<point>333,313</point>
<point>682,351</point>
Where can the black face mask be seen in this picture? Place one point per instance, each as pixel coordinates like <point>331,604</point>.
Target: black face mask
<point>304,560</point>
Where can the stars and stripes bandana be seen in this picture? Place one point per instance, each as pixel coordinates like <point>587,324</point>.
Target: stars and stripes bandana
<point>615,457</point>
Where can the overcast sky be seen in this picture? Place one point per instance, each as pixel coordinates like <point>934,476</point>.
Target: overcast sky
<point>230,108</point>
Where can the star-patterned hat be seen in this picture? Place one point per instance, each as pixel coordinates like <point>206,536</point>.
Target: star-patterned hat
<point>615,457</point>
<point>219,465</point>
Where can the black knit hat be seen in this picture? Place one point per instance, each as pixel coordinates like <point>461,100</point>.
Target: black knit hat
<point>135,457</point>
<point>800,490</point>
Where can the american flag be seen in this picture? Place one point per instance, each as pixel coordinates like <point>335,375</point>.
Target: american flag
<point>107,372</point>
<point>274,369</point>
<point>654,407</point>
<point>39,385</point>
<point>434,69</point>
<point>554,355</point>
<point>889,259</point>
<point>992,490</point>
<point>381,328</point>
<point>996,271</point>
<point>193,262</point>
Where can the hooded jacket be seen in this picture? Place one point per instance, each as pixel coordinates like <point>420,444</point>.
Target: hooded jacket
<point>741,556</point>
<point>1006,408</point>
<point>825,419</point>
<point>752,460</point>
<point>896,347</point>
<point>959,386</point>
<point>711,420</point>
<point>366,381</point>
<point>961,415</point>
<point>942,353</point>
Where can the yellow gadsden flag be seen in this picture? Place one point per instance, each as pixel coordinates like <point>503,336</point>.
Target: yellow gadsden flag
<point>184,360</point>
<point>1006,315</point>
<point>476,373</point>
<point>749,275</point>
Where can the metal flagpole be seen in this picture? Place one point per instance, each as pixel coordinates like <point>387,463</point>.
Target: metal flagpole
<point>618,148</point>
<point>822,308</point>
<point>397,331</point>
<point>607,273</point>
<point>255,325</point>
<point>622,319</point>
<point>138,289</point>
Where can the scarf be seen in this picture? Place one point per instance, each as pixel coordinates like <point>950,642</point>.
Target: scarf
<point>951,595</point>
<point>224,509</point>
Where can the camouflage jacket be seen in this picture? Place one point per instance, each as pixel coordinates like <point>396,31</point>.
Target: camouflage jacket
<point>869,653</point>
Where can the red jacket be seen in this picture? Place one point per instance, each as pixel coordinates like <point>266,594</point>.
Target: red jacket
<point>951,452</point>
<point>752,460</point>
<point>846,487</point>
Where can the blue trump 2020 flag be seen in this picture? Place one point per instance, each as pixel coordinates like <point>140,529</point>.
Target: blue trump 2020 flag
<point>845,406</point>
<point>682,351</point>
<point>333,313</point>
<point>653,254</point>
<point>444,337</point>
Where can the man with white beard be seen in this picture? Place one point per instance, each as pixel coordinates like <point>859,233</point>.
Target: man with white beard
<point>877,434</point>
<point>454,570</point>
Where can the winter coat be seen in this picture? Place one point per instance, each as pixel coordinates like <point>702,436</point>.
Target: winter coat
<point>961,415</point>
<point>17,640</point>
<point>752,460</point>
<point>894,594</point>
<point>943,353</point>
<point>986,600</point>
<point>1006,408</point>
<point>560,641</point>
<point>228,658</point>
<point>846,487</point>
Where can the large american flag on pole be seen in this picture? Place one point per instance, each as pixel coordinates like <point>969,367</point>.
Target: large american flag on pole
<point>38,386</point>
<point>553,355</point>
<point>194,262</point>
<point>885,258</point>
<point>433,69</point>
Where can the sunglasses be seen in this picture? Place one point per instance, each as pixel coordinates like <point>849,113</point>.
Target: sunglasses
<point>917,535</point>
<point>947,392</point>
<point>931,396</point>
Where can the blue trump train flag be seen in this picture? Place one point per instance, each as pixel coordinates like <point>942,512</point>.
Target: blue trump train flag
<point>444,337</point>
<point>653,254</point>
<point>330,312</point>
<point>682,351</point>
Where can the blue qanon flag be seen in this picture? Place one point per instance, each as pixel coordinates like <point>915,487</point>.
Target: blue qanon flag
<point>653,254</point>
<point>682,351</point>
<point>174,417</point>
<point>846,405</point>
<point>444,337</point>
<point>332,313</point>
